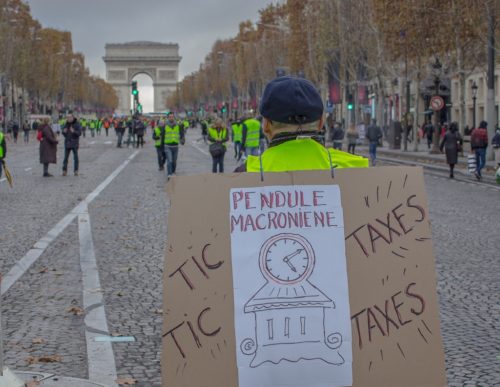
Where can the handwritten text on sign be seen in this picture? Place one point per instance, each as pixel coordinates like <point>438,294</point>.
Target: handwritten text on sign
<point>291,298</point>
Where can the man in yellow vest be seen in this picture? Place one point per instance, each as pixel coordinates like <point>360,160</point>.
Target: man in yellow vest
<point>293,117</point>
<point>174,135</point>
<point>3,150</point>
<point>159,139</point>
<point>251,134</point>
<point>237,136</point>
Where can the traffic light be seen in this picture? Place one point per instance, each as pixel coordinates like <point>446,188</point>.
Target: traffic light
<point>135,91</point>
<point>139,108</point>
<point>350,104</point>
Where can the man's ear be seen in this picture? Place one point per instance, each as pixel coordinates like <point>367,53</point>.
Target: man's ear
<point>266,126</point>
<point>320,123</point>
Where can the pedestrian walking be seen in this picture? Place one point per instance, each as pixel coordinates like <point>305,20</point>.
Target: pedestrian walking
<point>374,135</point>
<point>26,131</point>
<point>106,125</point>
<point>159,139</point>
<point>292,112</point>
<point>3,150</point>
<point>174,135</point>
<point>204,130</point>
<point>98,126</point>
<point>429,133</point>
<point>352,135</point>
<point>84,124</point>
<point>15,131</point>
<point>48,146</point>
<point>479,143</point>
<point>71,132</point>
<point>130,132</point>
<point>452,144</point>
<point>237,136</point>
<point>495,142</point>
<point>92,128</point>
<point>139,129</point>
<point>120,131</point>
<point>251,135</point>
<point>217,136</point>
<point>337,136</point>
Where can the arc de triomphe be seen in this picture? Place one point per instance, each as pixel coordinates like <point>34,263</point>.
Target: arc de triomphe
<point>126,60</point>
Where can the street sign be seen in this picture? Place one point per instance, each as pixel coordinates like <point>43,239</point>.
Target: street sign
<point>437,103</point>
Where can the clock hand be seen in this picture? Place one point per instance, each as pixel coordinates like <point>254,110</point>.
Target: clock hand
<point>290,256</point>
<point>287,261</point>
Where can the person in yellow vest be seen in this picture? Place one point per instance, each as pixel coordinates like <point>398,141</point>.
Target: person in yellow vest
<point>174,135</point>
<point>237,136</point>
<point>217,136</point>
<point>250,138</point>
<point>159,139</point>
<point>3,150</point>
<point>292,112</point>
<point>186,125</point>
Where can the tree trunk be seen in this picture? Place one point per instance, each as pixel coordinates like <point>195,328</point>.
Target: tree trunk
<point>417,107</point>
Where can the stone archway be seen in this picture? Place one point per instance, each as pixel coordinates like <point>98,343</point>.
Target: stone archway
<point>126,60</point>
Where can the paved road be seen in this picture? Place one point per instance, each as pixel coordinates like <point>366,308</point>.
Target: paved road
<point>115,212</point>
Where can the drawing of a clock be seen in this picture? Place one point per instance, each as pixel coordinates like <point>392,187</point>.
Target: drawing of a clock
<point>286,259</point>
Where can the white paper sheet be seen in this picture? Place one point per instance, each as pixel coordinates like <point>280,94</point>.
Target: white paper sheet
<point>291,294</point>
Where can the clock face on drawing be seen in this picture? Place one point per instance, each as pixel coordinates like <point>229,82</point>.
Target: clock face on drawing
<point>286,259</point>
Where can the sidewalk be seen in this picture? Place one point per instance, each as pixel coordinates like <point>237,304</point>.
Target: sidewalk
<point>423,154</point>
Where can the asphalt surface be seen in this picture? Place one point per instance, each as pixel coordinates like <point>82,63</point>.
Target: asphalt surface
<point>42,312</point>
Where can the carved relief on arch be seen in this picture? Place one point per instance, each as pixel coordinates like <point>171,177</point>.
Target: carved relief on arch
<point>133,71</point>
<point>116,75</point>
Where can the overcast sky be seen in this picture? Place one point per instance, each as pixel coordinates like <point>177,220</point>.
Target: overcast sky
<point>194,24</point>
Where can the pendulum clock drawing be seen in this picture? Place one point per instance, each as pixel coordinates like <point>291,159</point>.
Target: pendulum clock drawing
<point>289,310</point>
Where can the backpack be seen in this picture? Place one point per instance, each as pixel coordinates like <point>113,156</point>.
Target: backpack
<point>39,135</point>
<point>479,138</point>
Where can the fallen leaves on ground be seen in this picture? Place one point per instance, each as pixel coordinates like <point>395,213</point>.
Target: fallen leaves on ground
<point>33,383</point>
<point>43,270</point>
<point>43,359</point>
<point>159,311</point>
<point>126,381</point>
<point>76,310</point>
<point>38,340</point>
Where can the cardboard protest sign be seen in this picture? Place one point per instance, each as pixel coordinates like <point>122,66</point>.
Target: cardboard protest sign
<point>233,245</point>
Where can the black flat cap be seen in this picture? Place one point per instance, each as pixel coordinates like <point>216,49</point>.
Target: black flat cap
<point>291,100</point>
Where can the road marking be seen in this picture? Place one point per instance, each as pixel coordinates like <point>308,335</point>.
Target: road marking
<point>108,142</point>
<point>92,142</point>
<point>194,145</point>
<point>4,179</point>
<point>27,169</point>
<point>21,266</point>
<point>101,360</point>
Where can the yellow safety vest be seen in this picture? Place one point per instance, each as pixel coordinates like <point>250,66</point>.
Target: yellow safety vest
<point>237,132</point>
<point>172,135</point>
<point>2,151</point>
<point>216,135</point>
<point>303,154</point>
<point>158,134</point>
<point>253,133</point>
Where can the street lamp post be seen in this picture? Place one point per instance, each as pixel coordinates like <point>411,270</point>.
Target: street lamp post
<point>436,71</point>
<point>474,97</point>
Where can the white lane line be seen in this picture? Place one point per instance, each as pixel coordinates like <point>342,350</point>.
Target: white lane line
<point>27,169</point>
<point>108,142</point>
<point>101,360</point>
<point>92,142</point>
<point>39,247</point>
<point>4,179</point>
<point>193,144</point>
